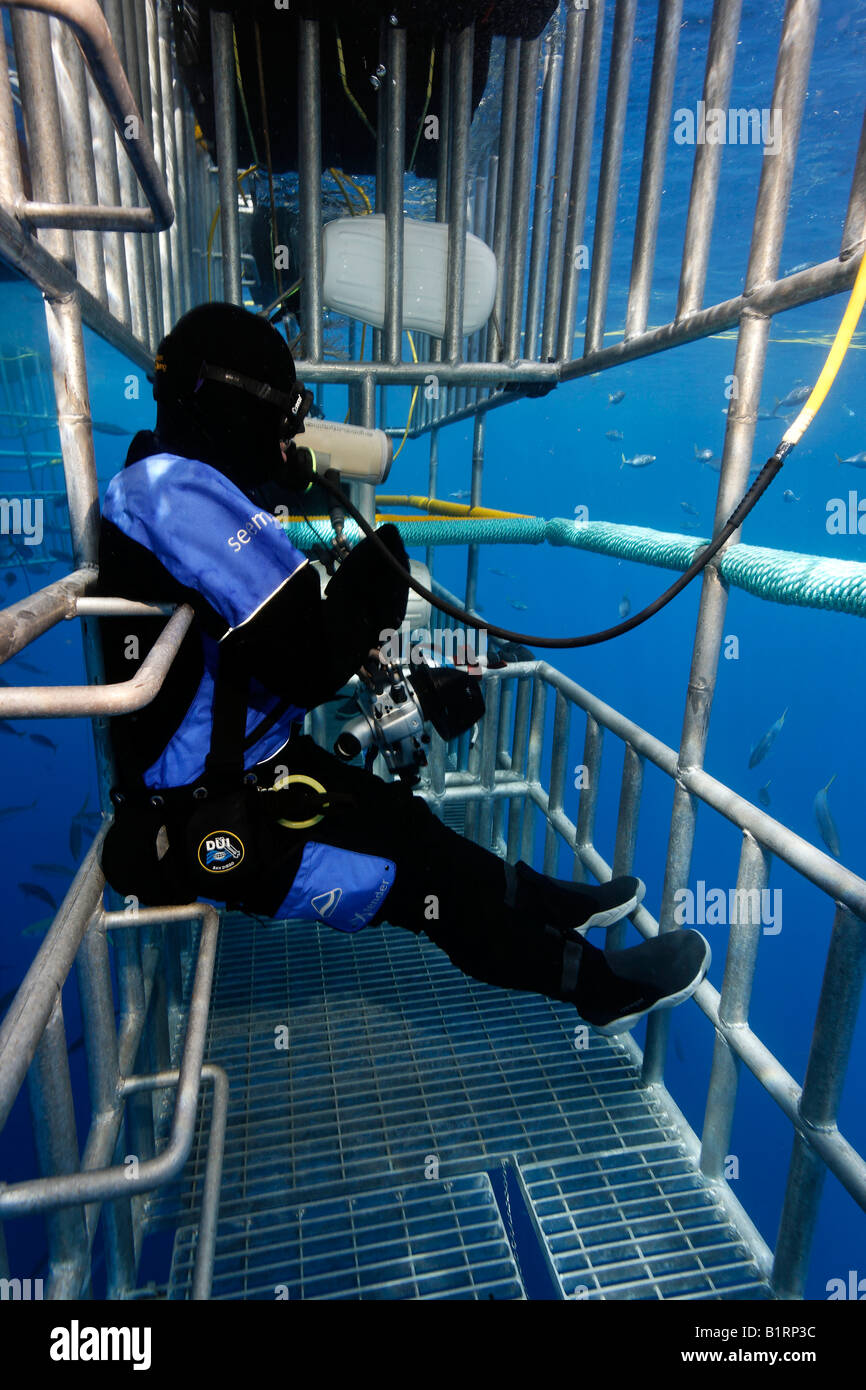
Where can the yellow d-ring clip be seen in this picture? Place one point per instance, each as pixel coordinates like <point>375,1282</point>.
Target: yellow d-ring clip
<point>285,782</point>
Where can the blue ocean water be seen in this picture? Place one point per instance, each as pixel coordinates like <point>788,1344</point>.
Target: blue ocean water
<point>546,457</point>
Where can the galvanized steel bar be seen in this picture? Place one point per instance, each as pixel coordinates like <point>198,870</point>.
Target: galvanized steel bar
<point>721,53</point>
<point>590,778</point>
<point>136,40</point>
<point>444,150</point>
<point>518,764</point>
<point>77,146</point>
<point>31,1008</point>
<point>558,765</point>
<point>543,200</point>
<point>56,1142</point>
<point>207,1231</point>
<point>459,167</point>
<point>502,212</point>
<point>806,1173</point>
<point>69,369</point>
<point>521,180</point>
<point>487,770</point>
<point>225,121</point>
<point>570,87</point>
<point>432,485</point>
<point>740,963</point>
<point>73,701</point>
<point>27,619</point>
<point>855,216</point>
<point>310,185</point>
<point>161,246</point>
<point>832,1039</point>
<point>102,1184</point>
<point>119,1241</point>
<point>628,813</point>
<point>108,193</point>
<point>533,766</point>
<point>789,92</point>
<point>171,242</point>
<point>653,168</point>
<point>478,436</point>
<point>127,192</point>
<point>185,194</point>
<point>608,179</point>
<point>41,112</point>
<point>503,759</point>
<point>580,166</point>
<point>818,282</point>
<point>88,24</point>
<point>11,179</point>
<point>395,154</point>
<point>836,1019</point>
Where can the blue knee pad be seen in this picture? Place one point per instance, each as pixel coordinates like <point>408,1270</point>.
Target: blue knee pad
<point>337,886</point>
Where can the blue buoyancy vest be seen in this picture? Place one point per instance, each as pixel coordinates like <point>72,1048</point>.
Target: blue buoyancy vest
<point>210,537</point>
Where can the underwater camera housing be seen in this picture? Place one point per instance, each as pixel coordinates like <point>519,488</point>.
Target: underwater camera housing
<point>395,707</point>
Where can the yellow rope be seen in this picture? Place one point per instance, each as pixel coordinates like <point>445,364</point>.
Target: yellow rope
<point>434,506</point>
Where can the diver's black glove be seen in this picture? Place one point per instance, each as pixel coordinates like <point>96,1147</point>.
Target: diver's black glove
<point>371,588</point>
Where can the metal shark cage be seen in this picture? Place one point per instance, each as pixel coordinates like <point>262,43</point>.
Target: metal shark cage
<point>310,1179</point>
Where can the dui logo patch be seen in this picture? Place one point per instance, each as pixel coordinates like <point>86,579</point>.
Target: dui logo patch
<point>220,850</point>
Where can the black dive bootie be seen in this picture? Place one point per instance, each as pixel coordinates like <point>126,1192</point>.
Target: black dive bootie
<point>616,989</point>
<point>611,990</point>
<point>576,905</point>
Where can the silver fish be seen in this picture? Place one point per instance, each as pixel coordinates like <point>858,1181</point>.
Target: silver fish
<point>7,811</point>
<point>826,824</point>
<point>856,460</point>
<point>687,507</point>
<point>60,870</point>
<point>624,606</point>
<point>847,409</point>
<point>613,434</point>
<point>789,496</point>
<point>637,460</point>
<point>515,603</point>
<point>105,427</point>
<point>703,454</point>
<point>35,890</point>
<point>459,496</point>
<point>43,741</point>
<point>764,795</point>
<point>614,397</point>
<point>38,928</point>
<point>766,741</point>
<point>794,397</point>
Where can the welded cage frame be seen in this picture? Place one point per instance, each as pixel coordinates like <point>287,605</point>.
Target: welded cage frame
<point>128,271</point>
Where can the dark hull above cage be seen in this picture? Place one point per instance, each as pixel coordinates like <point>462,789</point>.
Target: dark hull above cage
<point>352,71</point>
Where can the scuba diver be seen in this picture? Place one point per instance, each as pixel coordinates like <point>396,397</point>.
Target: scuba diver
<point>218,794</point>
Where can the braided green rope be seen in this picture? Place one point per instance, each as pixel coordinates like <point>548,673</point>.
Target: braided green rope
<point>779,576</point>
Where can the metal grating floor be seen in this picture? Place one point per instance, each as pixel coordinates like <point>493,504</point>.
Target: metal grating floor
<point>357,1157</point>
<point>441,1240</point>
